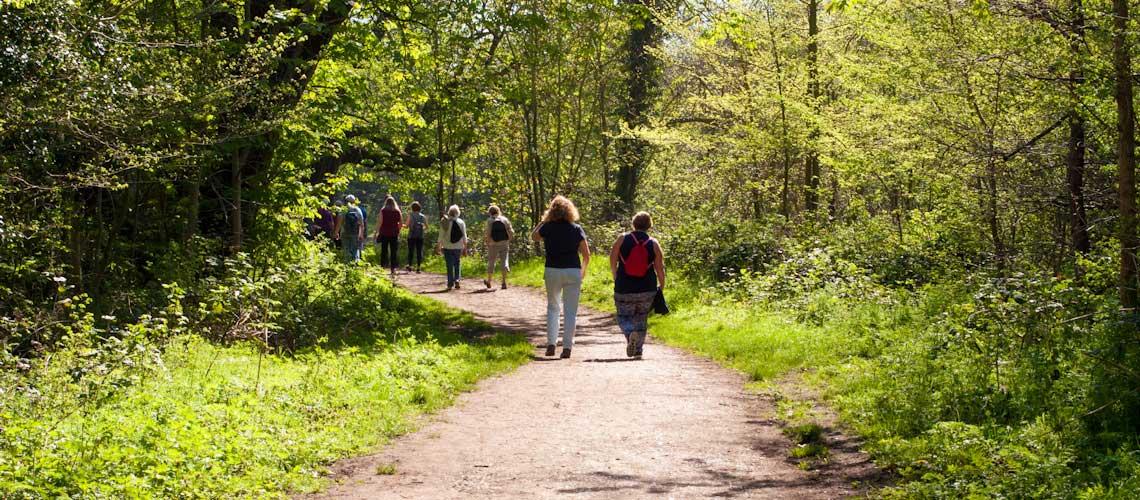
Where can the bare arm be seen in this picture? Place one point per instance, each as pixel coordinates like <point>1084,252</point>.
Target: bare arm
<point>615,256</point>
<point>584,249</point>
<point>534,234</point>
<point>659,266</point>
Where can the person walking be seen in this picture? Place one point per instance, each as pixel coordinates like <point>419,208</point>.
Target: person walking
<point>638,267</point>
<point>452,244</point>
<point>388,234</point>
<point>363,223</point>
<point>349,229</point>
<point>497,235</point>
<point>567,258</point>
<point>417,224</point>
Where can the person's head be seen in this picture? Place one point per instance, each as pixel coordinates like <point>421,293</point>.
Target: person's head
<point>642,221</point>
<point>350,199</point>
<point>493,211</point>
<point>453,211</point>
<point>415,206</point>
<point>390,202</point>
<point>561,210</point>
<point>339,203</point>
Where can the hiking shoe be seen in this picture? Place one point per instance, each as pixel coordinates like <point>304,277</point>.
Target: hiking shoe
<point>504,285</point>
<point>550,350</point>
<point>565,354</point>
<point>456,285</point>
<point>488,283</point>
<point>631,344</point>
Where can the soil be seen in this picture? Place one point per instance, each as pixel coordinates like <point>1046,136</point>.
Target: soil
<point>597,425</point>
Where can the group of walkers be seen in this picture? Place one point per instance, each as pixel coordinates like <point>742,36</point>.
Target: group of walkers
<point>637,262</point>
<point>350,229</point>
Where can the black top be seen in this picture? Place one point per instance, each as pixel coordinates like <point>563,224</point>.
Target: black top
<point>561,240</point>
<point>624,283</point>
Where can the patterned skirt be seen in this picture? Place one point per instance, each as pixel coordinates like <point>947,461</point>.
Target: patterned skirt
<point>633,310</point>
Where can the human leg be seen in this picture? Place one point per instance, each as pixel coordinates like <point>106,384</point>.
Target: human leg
<point>451,261</point>
<point>553,305</point>
<point>571,291</point>
<point>384,257</point>
<point>393,244</point>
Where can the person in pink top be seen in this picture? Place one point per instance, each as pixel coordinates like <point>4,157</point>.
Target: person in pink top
<point>388,234</point>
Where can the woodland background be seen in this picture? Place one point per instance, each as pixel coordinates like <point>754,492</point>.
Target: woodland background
<point>943,189</point>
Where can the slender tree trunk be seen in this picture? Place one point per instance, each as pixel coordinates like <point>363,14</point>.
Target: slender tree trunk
<point>236,228</point>
<point>1075,177</point>
<point>193,207</point>
<point>785,142</point>
<point>439,201</point>
<point>1125,155</point>
<point>1075,160</point>
<point>811,166</point>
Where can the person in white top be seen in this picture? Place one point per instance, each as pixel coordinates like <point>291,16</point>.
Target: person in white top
<point>497,235</point>
<point>452,244</point>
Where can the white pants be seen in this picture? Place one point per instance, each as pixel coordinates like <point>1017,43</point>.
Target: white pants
<point>563,287</point>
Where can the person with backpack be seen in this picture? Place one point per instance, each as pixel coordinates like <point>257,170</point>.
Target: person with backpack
<point>567,257</point>
<point>638,267</point>
<point>388,234</point>
<point>417,224</point>
<point>349,229</point>
<point>452,244</point>
<point>364,224</point>
<point>497,235</point>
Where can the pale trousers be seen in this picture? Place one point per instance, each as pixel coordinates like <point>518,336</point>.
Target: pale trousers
<point>563,288</point>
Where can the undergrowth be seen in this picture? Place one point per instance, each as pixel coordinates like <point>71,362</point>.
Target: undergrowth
<point>189,404</point>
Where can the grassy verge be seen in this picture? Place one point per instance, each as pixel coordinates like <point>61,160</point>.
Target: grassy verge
<point>210,420</point>
<point>761,343</point>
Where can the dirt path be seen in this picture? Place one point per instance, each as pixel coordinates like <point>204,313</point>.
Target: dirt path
<point>595,426</point>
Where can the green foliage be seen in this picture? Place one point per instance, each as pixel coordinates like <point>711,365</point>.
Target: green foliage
<point>804,433</point>
<point>142,409</point>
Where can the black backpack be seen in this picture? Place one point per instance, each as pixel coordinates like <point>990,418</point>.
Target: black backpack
<point>352,221</point>
<point>499,231</point>
<point>456,231</point>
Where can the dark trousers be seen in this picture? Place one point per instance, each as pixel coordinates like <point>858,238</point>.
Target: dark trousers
<point>415,252</point>
<point>388,256</point>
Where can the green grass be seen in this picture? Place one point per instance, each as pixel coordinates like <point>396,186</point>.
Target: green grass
<point>761,343</point>
<point>222,421</point>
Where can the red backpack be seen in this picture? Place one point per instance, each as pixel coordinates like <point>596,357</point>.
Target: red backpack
<point>637,264</point>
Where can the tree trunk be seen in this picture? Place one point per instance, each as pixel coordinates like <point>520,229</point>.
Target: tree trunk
<point>811,165</point>
<point>1125,155</point>
<point>236,228</point>
<point>1075,160</point>
<point>641,85</point>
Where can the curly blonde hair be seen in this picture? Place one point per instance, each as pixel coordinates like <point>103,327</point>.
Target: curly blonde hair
<point>561,210</point>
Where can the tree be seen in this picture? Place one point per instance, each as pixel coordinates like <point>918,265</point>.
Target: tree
<point>1125,154</point>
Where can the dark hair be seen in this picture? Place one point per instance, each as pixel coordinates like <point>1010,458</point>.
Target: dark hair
<point>642,221</point>
<point>493,210</point>
<point>415,206</point>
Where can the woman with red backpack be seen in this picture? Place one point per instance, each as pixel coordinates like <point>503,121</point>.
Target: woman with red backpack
<point>638,267</point>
